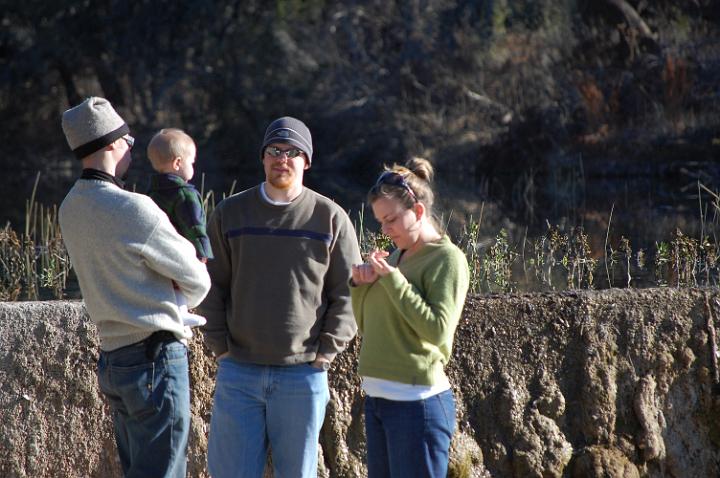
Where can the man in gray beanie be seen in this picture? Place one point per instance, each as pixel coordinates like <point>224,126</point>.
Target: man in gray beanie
<point>292,131</point>
<point>126,255</point>
<point>278,312</point>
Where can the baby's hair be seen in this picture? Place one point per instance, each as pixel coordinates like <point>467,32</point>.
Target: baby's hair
<point>417,174</point>
<point>168,144</point>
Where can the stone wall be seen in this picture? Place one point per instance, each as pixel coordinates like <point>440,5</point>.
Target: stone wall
<point>619,383</point>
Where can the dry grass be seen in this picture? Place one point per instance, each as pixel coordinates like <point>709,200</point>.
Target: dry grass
<point>34,263</point>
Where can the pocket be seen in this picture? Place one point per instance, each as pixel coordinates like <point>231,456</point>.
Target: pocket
<point>313,368</point>
<point>137,388</point>
<point>446,403</point>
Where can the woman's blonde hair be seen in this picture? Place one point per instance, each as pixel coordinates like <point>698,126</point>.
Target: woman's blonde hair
<point>408,184</point>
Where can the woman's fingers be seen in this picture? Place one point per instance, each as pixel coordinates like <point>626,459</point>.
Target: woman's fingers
<point>378,262</point>
<point>363,274</point>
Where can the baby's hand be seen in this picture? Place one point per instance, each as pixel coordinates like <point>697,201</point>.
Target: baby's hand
<point>193,320</point>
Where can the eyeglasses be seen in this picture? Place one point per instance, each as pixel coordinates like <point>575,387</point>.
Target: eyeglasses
<point>129,140</point>
<point>394,179</point>
<point>276,152</point>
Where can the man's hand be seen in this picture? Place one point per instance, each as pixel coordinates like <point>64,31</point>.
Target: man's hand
<point>321,362</point>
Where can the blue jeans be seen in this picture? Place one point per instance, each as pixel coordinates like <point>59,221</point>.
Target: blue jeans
<point>409,439</point>
<point>150,403</point>
<point>257,407</point>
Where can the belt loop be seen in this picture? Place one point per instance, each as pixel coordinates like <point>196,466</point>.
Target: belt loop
<point>152,378</point>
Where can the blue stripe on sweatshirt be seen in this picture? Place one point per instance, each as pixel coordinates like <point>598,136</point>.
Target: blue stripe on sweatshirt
<point>268,231</point>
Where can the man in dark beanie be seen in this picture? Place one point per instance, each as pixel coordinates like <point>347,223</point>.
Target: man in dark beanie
<point>278,312</point>
<point>126,255</point>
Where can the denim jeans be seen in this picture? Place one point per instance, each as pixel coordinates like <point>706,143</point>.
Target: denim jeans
<point>409,439</point>
<point>257,407</point>
<point>150,402</point>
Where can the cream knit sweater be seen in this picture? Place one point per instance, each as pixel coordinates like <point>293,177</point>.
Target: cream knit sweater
<point>126,255</point>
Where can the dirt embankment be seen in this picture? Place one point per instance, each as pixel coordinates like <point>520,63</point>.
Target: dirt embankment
<point>619,383</point>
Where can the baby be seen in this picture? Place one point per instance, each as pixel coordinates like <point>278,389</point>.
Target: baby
<point>172,155</point>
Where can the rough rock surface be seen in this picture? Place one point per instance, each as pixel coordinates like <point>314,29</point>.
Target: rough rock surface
<point>619,383</point>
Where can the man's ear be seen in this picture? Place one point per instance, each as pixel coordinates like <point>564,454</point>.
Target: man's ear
<point>115,144</point>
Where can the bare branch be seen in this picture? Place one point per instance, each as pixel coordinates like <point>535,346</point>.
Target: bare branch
<point>633,18</point>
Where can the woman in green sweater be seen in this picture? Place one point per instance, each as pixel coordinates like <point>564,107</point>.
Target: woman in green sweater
<point>407,305</point>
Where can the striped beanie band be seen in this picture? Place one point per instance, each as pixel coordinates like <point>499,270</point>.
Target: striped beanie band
<point>289,130</point>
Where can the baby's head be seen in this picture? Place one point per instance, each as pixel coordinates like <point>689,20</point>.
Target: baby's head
<point>172,151</point>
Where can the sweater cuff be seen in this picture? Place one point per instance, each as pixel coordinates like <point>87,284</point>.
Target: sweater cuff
<point>330,356</point>
<point>393,280</point>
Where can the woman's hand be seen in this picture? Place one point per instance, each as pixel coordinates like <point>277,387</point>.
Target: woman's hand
<point>363,274</point>
<point>377,260</point>
<point>374,268</point>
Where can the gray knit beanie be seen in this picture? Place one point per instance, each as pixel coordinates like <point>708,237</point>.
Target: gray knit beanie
<point>289,130</point>
<point>92,125</point>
